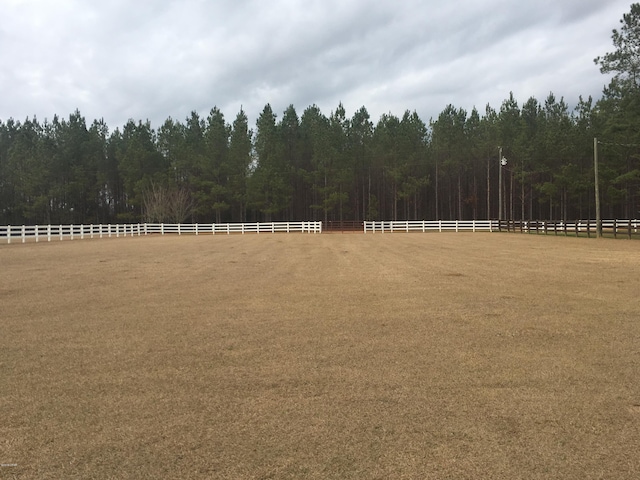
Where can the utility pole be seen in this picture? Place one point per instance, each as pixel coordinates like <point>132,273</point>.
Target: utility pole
<point>499,183</point>
<point>595,170</point>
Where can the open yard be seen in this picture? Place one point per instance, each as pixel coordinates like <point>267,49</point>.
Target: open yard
<point>352,356</point>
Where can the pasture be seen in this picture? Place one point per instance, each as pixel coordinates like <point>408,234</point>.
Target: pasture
<point>452,355</point>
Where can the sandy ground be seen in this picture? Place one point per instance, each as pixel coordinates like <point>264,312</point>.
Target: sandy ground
<point>433,356</point>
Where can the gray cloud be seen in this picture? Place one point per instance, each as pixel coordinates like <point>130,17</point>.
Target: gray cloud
<point>155,59</point>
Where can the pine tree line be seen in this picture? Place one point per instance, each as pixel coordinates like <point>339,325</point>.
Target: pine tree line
<point>319,167</point>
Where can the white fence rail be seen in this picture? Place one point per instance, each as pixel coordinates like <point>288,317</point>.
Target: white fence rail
<point>229,228</point>
<point>47,233</point>
<point>432,226</point>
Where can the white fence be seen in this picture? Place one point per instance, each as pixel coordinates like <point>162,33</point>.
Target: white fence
<point>614,227</point>
<point>42,233</point>
<point>229,228</point>
<point>432,226</point>
<point>71,232</point>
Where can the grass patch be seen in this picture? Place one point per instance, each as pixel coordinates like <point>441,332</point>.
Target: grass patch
<point>321,356</point>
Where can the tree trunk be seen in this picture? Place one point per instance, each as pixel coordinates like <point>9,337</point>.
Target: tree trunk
<point>459,217</point>
<point>488,188</point>
<point>511,206</point>
<point>437,205</point>
<point>395,201</point>
<point>522,197</point>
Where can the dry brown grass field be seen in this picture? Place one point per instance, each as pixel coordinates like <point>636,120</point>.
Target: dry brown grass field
<point>425,356</point>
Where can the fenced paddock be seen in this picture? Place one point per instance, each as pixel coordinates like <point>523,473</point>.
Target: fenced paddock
<point>452,355</point>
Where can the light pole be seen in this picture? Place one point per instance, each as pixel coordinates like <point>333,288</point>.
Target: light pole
<point>595,171</point>
<point>501,163</point>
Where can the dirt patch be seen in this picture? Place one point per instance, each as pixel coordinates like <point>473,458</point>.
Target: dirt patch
<point>320,356</point>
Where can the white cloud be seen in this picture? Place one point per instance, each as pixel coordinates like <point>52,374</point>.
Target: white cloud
<point>155,59</point>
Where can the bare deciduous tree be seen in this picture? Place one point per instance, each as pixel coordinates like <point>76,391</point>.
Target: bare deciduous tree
<point>162,204</point>
<point>179,205</point>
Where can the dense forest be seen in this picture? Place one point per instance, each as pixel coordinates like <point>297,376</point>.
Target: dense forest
<point>318,167</point>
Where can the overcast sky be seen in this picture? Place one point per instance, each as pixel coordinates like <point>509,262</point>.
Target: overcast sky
<point>121,59</point>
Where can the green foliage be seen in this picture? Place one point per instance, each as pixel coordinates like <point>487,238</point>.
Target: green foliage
<point>625,60</point>
<point>240,165</point>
